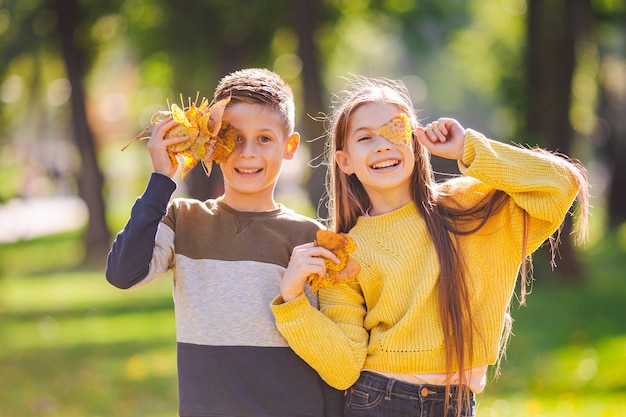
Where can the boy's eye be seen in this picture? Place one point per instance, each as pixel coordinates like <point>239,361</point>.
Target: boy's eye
<point>265,139</point>
<point>239,138</point>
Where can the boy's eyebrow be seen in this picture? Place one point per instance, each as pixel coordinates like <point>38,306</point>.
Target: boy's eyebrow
<point>261,130</point>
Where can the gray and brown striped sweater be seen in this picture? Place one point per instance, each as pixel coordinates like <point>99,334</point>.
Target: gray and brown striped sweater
<point>227,266</point>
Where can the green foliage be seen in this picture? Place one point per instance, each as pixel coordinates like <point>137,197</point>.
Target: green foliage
<point>568,355</point>
<point>75,346</point>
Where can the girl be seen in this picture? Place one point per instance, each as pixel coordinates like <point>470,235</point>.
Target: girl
<point>439,262</point>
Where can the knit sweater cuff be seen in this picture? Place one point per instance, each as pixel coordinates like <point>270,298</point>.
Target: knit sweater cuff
<point>291,310</point>
<point>469,149</point>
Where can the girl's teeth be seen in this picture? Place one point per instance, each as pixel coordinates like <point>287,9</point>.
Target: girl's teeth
<point>385,164</point>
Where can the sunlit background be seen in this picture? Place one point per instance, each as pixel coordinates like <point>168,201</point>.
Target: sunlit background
<point>80,78</point>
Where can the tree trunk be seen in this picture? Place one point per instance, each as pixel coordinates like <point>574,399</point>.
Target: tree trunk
<point>306,21</point>
<point>613,114</point>
<point>554,26</point>
<point>611,132</point>
<point>89,178</point>
<point>197,183</point>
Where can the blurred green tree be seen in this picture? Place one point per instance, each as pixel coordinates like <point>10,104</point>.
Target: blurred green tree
<point>202,41</point>
<point>505,67</point>
<point>89,178</point>
<point>572,65</point>
<point>41,32</point>
<point>555,28</point>
<point>609,127</point>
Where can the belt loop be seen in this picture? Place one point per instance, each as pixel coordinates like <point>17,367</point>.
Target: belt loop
<point>390,383</point>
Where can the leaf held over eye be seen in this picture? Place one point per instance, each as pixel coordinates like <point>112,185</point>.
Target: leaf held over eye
<point>397,130</point>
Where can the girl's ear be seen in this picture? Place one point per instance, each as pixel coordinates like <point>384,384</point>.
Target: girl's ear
<point>291,146</point>
<point>343,162</point>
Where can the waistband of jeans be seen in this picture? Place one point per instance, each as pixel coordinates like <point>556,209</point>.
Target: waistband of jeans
<point>383,383</point>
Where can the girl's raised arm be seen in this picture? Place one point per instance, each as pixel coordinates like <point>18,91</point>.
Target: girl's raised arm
<point>444,137</point>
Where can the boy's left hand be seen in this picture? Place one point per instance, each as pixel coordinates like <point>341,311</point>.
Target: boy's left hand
<point>444,137</point>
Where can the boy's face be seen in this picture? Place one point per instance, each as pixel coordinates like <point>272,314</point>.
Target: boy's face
<point>251,170</point>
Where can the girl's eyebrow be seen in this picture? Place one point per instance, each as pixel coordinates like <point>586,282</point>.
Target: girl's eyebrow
<point>359,129</point>
<point>368,127</point>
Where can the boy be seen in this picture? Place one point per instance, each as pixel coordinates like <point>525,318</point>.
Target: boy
<point>228,256</point>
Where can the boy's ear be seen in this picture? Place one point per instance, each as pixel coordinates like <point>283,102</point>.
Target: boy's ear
<point>343,162</point>
<point>291,146</point>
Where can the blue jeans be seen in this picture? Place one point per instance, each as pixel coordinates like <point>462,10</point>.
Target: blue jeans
<point>374,395</point>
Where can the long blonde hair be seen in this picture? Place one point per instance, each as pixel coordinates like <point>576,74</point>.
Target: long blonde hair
<point>445,221</point>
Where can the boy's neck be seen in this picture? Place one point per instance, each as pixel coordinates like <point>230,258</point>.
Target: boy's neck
<point>250,204</point>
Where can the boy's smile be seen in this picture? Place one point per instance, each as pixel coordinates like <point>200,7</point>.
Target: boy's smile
<point>251,170</point>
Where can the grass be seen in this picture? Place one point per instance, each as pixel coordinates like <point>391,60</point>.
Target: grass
<point>72,345</point>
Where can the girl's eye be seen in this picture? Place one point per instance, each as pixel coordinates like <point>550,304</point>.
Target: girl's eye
<point>363,138</point>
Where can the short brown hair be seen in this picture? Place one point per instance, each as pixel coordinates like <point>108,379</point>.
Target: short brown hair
<point>259,86</point>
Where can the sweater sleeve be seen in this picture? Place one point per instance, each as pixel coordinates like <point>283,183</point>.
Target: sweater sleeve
<point>333,340</point>
<point>128,262</point>
<point>541,184</point>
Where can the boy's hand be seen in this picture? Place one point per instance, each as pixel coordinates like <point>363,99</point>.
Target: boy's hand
<point>157,146</point>
<point>305,260</point>
<point>444,138</point>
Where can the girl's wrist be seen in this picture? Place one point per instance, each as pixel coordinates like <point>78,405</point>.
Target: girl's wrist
<point>289,296</point>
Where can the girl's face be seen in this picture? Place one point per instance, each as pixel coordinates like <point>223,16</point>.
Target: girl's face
<point>384,168</point>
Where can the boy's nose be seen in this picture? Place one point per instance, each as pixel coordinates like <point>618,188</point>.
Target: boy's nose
<point>248,148</point>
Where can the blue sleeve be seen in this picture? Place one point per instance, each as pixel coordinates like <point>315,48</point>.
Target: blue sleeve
<point>128,261</point>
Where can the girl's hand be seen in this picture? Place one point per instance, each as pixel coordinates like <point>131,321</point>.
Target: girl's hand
<point>444,138</point>
<point>305,260</point>
<point>157,146</point>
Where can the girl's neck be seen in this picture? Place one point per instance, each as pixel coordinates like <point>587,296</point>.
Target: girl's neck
<point>386,206</point>
<point>387,200</point>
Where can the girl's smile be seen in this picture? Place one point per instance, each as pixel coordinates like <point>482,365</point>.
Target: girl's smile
<point>386,164</point>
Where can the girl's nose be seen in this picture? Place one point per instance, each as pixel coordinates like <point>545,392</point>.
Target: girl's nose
<point>381,143</point>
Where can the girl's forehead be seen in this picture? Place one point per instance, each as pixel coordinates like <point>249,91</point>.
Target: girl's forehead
<point>372,115</point>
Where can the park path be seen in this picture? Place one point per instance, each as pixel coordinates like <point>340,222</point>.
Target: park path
<point>22,219</point>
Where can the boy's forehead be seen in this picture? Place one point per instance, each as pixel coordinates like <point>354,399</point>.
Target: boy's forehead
<point>253,116</point>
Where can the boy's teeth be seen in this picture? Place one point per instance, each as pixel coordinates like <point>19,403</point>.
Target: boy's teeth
<point>248,171</point>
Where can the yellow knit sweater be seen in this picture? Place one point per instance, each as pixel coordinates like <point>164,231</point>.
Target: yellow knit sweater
<point>389,321</point>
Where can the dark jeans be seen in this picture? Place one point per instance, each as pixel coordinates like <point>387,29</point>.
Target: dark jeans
<point>374,395</point>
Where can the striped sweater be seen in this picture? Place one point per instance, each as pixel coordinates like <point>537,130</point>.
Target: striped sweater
<point>227,267</point>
